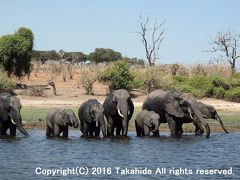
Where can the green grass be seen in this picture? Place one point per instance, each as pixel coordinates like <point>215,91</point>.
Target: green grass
<point>35,117</point>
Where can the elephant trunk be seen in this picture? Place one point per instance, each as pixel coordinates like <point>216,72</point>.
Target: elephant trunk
<point>22,130</point>
<point>221,122</point>
<point>198,114</point>
<point>124,126</point>
<point>123,112</point>
<point>17,120</point>
<point>101,122</point>
<point>74,122</point>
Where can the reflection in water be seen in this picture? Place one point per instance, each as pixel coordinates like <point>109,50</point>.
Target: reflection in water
<point>20,156</point>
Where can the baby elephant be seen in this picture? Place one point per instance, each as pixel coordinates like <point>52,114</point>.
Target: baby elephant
<point>57,122</point>
<point>91,118</point>
<point>146,122</point>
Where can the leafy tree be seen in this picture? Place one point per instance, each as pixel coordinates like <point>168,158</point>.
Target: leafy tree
<point>104,55</point>
<point>75,57</point>
<point>43,56</point>
<point>118,76</point>
<point>16,51</point>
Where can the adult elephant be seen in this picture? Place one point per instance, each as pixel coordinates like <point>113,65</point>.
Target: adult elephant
<point>91,117</point>
<point>10,116</point>
<point>146,122</point>
<point>118,109</point>
<point>58,120</point>
<point>175,109</point>
<point>209,112</point>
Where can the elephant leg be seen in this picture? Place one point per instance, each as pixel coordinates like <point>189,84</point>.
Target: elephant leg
<point>137,129</point>
<point>13,130</point>
<point>171,124</point>
<point>85,130</point>
<point>179,129</point>
<point>97,131</point>
<point>146,131</point>
<point>3,129</point>
<point>118,131</point>
<point>91,133</point>
<point>156,133</point>
<point>197,129</point>
<point>110,130</point>
<point>65,131</point>
<point>56,130</point>
<point>49,131</point>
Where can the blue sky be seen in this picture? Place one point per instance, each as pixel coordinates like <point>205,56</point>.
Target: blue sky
<point>83,25</point>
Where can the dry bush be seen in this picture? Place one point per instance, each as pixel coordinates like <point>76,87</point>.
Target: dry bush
<point>199,70</point>
<point>209,70</point>
<point>88,77</point>
<point>64,77</point>
<point>70,70</point>
<point>35,91</point>
<point>154,78</point>
<point>56,68</point>
<point>179,70</point>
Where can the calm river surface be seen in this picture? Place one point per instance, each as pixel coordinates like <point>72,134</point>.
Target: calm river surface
<point>177,158</point>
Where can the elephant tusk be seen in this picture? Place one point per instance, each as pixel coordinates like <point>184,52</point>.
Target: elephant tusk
<point>120,114</point>
<point>107,124</point>
<point>128,112</point>
<point>13,121</point>
<point>96,123</point>
<point>191,115</point>
<point>23,122</point>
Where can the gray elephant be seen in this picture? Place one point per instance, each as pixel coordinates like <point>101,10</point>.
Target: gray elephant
<point>118,109</point>
<point>175,109</point>
<point>58,120</point>
<point>10,116</point>
<point>209,112</point>
<point>91,117</point>
<point>146,122</point>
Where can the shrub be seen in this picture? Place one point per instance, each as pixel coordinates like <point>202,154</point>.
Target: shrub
<point>233,94</point>
<point>138,81</point>
<point>5,82</point>
<point>88,78</point>
<point>185,88</point>
<point>219,92</point>
<point>118,76</point>
<point>154,78</point>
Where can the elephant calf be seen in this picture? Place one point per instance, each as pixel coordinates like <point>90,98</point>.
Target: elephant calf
<point>58,120</point>
<point>146,122</point>
<point>91,118</point>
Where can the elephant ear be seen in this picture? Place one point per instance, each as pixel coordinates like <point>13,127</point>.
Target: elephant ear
<point>172,106</point>
<point>109,104</point>
<point>61,118</point>
<point>4,109</point>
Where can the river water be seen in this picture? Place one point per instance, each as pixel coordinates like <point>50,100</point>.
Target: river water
<point>188,157</point>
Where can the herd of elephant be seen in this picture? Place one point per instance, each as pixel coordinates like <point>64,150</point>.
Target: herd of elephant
<point>112,117</point>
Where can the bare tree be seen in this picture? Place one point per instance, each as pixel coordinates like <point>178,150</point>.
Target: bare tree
<point>151,37</point>
<point>227,43</point>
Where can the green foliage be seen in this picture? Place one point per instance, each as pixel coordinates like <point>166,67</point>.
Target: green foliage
<point>118,76</point>
<point>200,82</point>
<point>104,55</point>
<point>233,94</point>
<point>218,92</point>
<point>75,57</point>
<point>45,55</point>
<point>5,82</point>
<point>16,51</point>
